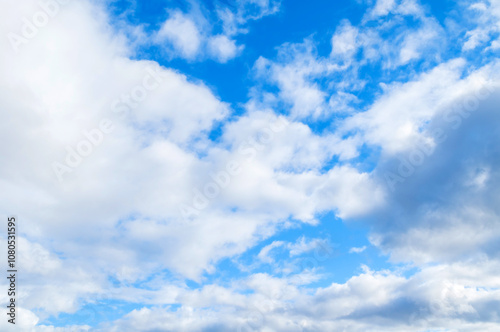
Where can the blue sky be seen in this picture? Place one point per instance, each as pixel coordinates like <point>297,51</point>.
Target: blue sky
<point>252,165</point>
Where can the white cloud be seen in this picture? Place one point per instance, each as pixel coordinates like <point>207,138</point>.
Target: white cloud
<point>485,18</point>
<point>295,73</point>
<point>356,250</point>
<point>223,48</point>
<point>475,38</point>
<point>302,246</point>
<point>396,124</point>
<point>416,43</point>
<point>264,253</point>
<point>314,86</point>
<point>183,33</point>
<point>383,7</point>
<point>344,41</point>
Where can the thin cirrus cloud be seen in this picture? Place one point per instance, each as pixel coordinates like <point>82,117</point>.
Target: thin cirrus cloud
<point>186,211</point>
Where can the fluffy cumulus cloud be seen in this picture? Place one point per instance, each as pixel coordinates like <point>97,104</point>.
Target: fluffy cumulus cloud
<point>201,33</point>
<point>182,33</point>
<point>182,36</point>
<point>137,184</point>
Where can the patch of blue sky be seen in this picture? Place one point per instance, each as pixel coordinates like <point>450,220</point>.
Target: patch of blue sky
<point>302,19</point>
<point>440,9</point>
<point>93,314</point>
<point>367,159</point>
<point>334,259</point>
<point>345,236</point>
<point>155,281</point>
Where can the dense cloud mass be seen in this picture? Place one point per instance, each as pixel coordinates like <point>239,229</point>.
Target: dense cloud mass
<point>127,200</point>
